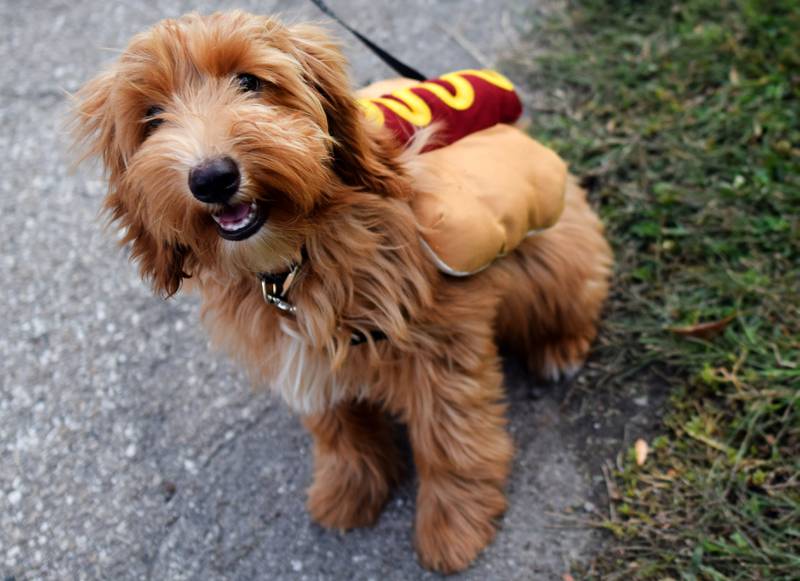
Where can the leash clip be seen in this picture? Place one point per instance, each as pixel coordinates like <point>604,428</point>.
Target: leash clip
<point>274,289</point>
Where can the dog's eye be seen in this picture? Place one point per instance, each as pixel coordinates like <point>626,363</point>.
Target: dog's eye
<point>249,83</point>
<point>152,119</point>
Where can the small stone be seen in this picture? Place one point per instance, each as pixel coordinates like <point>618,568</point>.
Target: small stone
<point>168,489</point>
<point>297,566</point>
<point>14,497</point>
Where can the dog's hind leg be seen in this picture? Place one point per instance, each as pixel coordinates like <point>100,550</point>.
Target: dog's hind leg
<point>355,465</point>
<point>553,289</point>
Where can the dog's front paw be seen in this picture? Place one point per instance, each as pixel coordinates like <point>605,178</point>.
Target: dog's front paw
<point>453,527</point>
<point>346,496</point>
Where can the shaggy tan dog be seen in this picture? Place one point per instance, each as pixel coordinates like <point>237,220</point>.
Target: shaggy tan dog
<point>234,146</point>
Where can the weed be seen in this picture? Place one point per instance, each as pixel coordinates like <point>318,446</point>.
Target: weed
<point>683,118</point>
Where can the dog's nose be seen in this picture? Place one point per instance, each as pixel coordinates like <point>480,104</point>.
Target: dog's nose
<point>214,180</point>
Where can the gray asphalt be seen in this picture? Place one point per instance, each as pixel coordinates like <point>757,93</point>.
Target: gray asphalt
<point>130,450</point>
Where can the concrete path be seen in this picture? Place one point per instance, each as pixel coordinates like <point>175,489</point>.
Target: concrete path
<point>129,450</point>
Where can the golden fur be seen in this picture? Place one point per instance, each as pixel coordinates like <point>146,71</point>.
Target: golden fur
<point>341,188</point>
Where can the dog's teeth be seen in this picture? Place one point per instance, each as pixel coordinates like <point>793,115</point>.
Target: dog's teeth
<point>240,224</point>
<point>244,222</point>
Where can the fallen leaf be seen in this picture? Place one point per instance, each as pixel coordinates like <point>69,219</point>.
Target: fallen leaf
<point>642,449</point>
<point>704,330</point>
<point>567,577</point>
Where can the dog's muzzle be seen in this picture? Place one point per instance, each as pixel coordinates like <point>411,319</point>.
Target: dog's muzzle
<point>216,181</point>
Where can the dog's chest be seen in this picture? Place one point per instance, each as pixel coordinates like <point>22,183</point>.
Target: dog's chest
<point>303,376</point>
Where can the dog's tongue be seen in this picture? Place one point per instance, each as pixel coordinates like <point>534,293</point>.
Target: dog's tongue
<point>233,214</point>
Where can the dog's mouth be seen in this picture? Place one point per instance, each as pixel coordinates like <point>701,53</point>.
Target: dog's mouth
<point>240,220</point>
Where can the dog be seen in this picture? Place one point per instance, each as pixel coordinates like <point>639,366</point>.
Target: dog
<point>234,146</point>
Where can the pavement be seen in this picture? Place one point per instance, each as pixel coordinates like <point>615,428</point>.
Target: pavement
<point>129,449</point>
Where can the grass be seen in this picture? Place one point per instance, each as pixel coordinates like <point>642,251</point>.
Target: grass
<point>683,118</point>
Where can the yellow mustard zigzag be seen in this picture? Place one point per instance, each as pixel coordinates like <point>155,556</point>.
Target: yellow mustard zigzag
<point>416,111</point>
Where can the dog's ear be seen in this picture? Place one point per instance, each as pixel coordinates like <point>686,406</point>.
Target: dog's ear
<point>359,157</point>
<point>93,123</point>
<point>162,263</point>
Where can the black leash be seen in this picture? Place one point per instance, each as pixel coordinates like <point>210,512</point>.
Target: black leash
<point>397,65</point>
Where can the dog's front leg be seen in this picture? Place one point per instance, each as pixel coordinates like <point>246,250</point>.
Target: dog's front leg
<point>463,455</point>
<point>355,465</point>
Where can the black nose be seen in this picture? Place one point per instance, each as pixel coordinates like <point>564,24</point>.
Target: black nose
<point>214,180</point>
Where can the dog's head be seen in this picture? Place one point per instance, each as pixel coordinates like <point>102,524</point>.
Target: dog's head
<point>222,135</point>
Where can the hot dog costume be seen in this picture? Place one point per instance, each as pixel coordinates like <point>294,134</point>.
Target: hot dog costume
<point>487,185</point>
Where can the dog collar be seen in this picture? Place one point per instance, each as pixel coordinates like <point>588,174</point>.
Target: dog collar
<point>275,288</point>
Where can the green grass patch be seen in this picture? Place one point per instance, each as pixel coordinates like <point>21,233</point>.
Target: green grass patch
<point>683,118</point>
